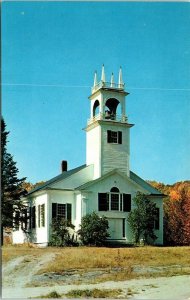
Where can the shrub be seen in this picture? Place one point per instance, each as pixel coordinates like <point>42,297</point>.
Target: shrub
<point>94,230</point>
<point>62,233</point>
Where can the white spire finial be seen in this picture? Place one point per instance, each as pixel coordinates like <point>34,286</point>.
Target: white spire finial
<point>95,79</point>
<point>120,78</point>
<point>112,80</point>
<point>103,77</point>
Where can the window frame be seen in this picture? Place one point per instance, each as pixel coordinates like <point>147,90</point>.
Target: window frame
<point>41,215</point>
<point>114,137</point>
<point>105,202</point>
<point>67,215</point>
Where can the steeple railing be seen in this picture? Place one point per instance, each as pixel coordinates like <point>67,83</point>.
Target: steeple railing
<point>106,117</point>
<point>109,85</point>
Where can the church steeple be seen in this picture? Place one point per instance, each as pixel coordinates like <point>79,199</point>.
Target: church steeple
<point>108,127</point>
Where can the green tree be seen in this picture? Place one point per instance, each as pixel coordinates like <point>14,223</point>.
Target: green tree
<point>94,230</point>
<point>11,187</point>
<point>61,234</point>
<point>141,219</point>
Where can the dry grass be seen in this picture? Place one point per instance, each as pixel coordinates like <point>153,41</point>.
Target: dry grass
<point>85,258</point>
<point>13,251</point>
<point>51,295</point>
<point>106,264</point>
<point>94,293</point>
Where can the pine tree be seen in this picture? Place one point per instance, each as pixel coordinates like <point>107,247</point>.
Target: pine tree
<point>11,187</point>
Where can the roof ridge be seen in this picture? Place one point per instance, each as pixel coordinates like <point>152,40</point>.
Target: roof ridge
<point>63,175</point>
<point>141,179</point>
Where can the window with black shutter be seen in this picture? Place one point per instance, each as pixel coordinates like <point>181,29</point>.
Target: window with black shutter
<point>114,137</point>
<point>114,200</point>
<point>127,202</point>
<point>103,202</point>
<point>62,211</point>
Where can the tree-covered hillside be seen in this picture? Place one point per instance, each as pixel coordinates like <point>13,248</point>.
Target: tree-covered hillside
<point>176,212</point>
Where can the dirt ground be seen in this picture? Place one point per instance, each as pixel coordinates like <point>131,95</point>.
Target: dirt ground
<point>20,281</point>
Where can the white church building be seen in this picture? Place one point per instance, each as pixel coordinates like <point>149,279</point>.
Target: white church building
<point>105,184</point>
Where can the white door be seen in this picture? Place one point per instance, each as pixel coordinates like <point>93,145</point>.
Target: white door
<point>115,229</point>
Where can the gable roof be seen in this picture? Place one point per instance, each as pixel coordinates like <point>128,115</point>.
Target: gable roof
<point>133,177</point>
<point>144,184</point>
<point>62,176</point>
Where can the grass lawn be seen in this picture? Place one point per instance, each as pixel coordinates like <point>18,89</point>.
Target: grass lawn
<point>124,260</point>
<point>102,257</point>
<point>92,257</point>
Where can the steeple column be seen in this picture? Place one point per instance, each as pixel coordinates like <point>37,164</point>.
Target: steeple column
<point>101,107</point>
<point>123,111</point>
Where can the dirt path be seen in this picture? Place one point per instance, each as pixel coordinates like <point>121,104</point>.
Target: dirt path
<point>19,272</point>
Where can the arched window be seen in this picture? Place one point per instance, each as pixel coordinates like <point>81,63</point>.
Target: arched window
<point>114,190</point>
<point>96,108</point>
<point>114,198</point>
<point>111,108</point>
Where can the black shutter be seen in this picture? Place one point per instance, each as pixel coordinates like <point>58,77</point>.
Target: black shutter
<point>54,210</point>
<point>39,219</point>
<point>123,228</point>
<point>68,212</point>
<point>30,217</point>
<point>25,218</point>
<point>119,137</point>
<point>109,136</point>
<point>16,220</point>
<point>127,202</point>
<point>157,219</point>
<point>33,217</point>
<point>102,202</point>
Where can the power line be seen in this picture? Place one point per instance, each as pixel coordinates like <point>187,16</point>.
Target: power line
<point>86,86</point>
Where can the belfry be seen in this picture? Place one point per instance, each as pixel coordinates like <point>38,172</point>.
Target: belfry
<point>108,129</point>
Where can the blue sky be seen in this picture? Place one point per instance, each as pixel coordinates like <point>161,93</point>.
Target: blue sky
<point>50,51</point>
